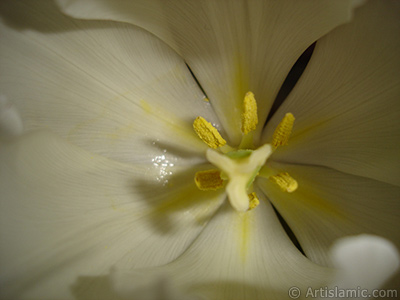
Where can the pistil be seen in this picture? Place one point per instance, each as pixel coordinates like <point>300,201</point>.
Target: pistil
<point>240,173</point>
<point>241,165</point>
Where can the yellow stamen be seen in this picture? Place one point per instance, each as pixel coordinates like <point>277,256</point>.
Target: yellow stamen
<point>208,180</point>
<point>285,182</point>
<point>208,133</point>
<point>249,115</point>
<point>253,201</point>
<point>283,130</point>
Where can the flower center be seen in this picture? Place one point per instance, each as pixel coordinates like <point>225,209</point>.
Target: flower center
<point>240,166</point>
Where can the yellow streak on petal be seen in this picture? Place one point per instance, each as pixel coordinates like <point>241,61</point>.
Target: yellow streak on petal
<point>249,115</point>
<point>208,133</point>
<point>285,182</point>
<point>244,231</point>
<point>145,106</point>
<point>208,180</point>
<point>254,202</point>
<point>283,130</point>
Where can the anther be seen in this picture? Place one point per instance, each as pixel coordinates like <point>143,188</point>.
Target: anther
<point>208,180</point>
<point>208,133</point>
<point>283,130</point>
<point>253,201</point>
<point>285,182</point>
<point>249,115</point>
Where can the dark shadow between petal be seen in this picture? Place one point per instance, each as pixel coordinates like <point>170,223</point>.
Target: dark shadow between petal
<point>291,80</point>
<point>196,80</point>
<point>288,230</point>
<point>287,86</point>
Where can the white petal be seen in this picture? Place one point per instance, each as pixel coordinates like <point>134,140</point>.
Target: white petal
<point>67,213</point>
<point>346,103</point>
<point>10,119</point>
<point>146,285</point>
<point>237,256</point>
<point>329,205</point>
<point>232,46</point>
<point>364,261</point>
<point>111,88</point>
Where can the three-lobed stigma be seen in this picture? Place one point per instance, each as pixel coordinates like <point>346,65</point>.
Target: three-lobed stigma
<point>239,166</point>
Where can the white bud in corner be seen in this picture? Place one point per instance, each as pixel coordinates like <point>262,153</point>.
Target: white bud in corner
<point>363,262</point>
<point>10,120</point>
